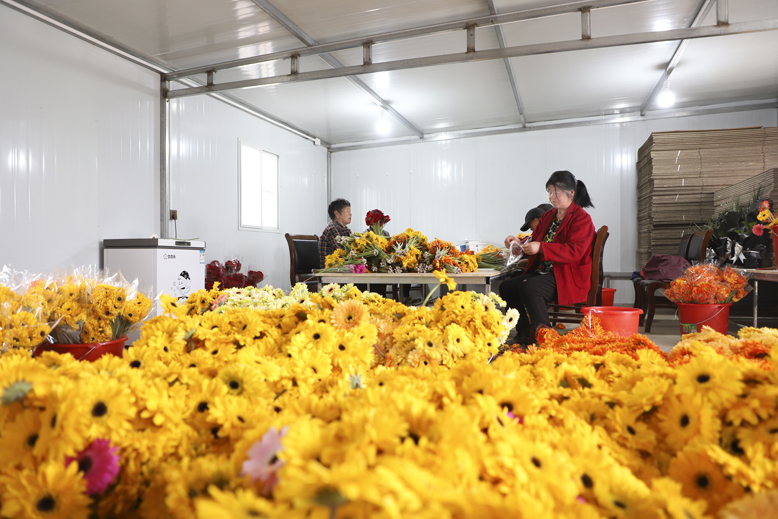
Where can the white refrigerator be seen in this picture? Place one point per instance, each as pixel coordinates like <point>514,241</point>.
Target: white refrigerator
<point>166,266</point>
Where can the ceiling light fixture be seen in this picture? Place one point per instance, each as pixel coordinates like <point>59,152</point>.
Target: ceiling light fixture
<point>666,98</point>
<point>383,126</point>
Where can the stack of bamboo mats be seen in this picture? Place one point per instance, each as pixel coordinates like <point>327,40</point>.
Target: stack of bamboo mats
<point>679,172</point>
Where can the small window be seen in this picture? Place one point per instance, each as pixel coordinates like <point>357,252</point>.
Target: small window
<point>258,189</point>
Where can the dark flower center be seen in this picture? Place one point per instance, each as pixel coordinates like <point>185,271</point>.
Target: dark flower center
<point>703,378</point>
<point>46,504</point>
<point>702,481</point>
<point>631,430</point>
<point>202,407</point>
<point>342,348</point>
<point>99,409</point>
<point>273,459</point>
<point>135,364</point>
<point>234,384</point>
<point>620,504</point>
<point>85,465</point>
<point>536,462</point>
<point>32,439</point>
<point>684,420</point>
<point>587,481</point>
<point>316,336</point>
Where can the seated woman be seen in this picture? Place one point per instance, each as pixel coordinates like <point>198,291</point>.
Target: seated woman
<point>560,263</point>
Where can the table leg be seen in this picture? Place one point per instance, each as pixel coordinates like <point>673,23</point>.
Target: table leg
<point>756,300</point>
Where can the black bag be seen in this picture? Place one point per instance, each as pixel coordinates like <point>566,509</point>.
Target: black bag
<point>664,267</point>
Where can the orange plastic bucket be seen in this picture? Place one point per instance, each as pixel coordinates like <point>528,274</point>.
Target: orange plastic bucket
<point>694,316</point>
<point>88,352</point>
<point>607,296</point>
<point>617,319</point>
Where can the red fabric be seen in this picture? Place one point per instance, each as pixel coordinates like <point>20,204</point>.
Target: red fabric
<point>570,252</point>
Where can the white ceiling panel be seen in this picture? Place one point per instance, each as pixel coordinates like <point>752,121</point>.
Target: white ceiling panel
<point>343,19</point>
<point>332,109</point>
<point>467,95</point>
<point>738,75</point>
<point>179,33</point>
<point>590,82</point>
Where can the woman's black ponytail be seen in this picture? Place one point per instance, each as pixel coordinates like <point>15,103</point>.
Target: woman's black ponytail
<point>565,181</point>
<point>582,195</point>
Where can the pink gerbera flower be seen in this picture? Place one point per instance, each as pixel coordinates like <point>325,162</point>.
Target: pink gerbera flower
<point>758,229</point>
<point>99,465</point>
<point>263,463</point>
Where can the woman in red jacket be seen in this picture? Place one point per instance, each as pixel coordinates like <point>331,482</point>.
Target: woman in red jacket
<point>560,257</point>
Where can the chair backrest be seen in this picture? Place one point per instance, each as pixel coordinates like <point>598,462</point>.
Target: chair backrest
<point>698,246</point>
<point>683,247</point>
<point>598,247</point>
<point>303,256</point>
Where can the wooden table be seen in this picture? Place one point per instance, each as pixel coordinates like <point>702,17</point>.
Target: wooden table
<point>757,275</point>
<point>483,277</point>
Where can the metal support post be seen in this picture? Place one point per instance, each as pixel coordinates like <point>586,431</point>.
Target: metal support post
<point>367,54</point>
<point>722,12</point>
<point>209,78</point>
<point>470,38</point>
<point>756,300</point>
<point>164,171</point>
<point>294,64</point>
<point>586,23</point>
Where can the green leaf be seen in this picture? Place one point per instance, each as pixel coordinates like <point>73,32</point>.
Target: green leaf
<point>16,392</point>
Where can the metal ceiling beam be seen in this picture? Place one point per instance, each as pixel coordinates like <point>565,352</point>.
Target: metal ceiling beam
<point>702,12</point>
<point>331,60</point>
<point>566,123</point>
<point>483,21</point>
<point>508,52</point>
<point>508,67</point>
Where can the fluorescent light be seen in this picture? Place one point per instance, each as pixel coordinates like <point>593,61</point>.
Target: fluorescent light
<point>382,126</point>
<point>666,98</point>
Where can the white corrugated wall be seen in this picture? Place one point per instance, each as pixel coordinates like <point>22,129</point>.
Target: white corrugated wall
<point>480,188</point>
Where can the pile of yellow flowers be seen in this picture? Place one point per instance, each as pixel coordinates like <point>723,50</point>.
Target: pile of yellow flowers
<point>81,307</point>
<point>321,409</point>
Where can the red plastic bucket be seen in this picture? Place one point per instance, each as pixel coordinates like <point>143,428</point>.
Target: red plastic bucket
<point>617,319</point>
<point>607,296</point>
<point>88,352</point>
<point>693,317</point>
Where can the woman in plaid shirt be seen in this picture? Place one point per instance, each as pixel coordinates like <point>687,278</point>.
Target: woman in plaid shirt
<point>340,213</point>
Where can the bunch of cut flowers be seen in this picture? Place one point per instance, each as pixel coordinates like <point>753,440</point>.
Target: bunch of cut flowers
<point>24,303</point>
<point>228,275</point>
<point>767,217</point>
<point>707,284</point>
<point>376,220</point>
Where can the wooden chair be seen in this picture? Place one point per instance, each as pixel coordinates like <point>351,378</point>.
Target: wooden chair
<point>640,284</point>
<point>303,258</point>
<point>696,253</point>
<point>572,313</point>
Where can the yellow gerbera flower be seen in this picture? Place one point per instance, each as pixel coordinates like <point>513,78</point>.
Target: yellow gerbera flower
<point>711,375</point>
<point>228,505</point>
<point>684,418</point>
<point>52,491</point>
<point>702,479</point>
<point>443,279</point>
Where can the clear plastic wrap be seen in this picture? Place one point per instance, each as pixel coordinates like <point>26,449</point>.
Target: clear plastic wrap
<point>26,301</point>
<point>707,284</point>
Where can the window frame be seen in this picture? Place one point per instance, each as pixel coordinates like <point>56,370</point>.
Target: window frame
<point>260,228</point>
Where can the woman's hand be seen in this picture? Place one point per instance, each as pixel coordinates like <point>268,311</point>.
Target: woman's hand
<point>531,248</point>
<point>509,240</point>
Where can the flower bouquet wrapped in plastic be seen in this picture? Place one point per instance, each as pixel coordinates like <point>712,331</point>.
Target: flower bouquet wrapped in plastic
<point>229,275</point>
<point>25,303</point>
<point>707,284</point>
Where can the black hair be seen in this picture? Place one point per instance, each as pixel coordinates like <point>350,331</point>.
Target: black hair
<point>184,274</point>
<point>337,205</point>
<point>565,181</point>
